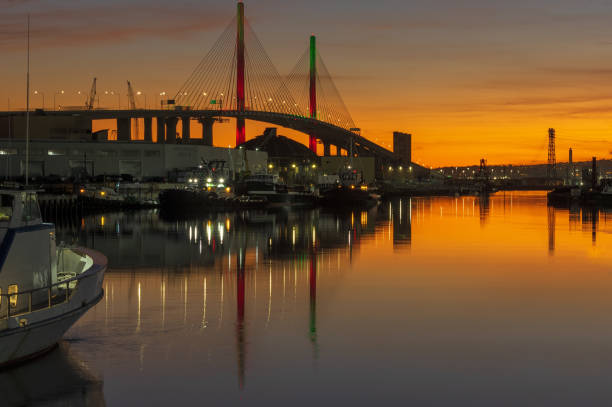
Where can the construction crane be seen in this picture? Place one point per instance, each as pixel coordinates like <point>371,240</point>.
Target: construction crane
<point>132,105</point>
<point>89,103</point>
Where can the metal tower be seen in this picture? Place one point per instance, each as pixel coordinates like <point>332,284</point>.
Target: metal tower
<point>240,130</point>
<point>551,170</point>
<point>313,90</point>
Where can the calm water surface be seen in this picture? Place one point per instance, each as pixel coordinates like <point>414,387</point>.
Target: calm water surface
<point>428,301</point>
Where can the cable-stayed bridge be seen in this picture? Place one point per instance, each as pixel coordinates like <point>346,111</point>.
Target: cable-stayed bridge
<point>236,79</point>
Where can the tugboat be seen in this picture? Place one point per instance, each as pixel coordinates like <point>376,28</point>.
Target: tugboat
<point>348,190</point>
<point>276,194</point>
<point>44,289</point>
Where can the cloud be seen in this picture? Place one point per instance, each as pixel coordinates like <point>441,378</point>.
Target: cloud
<point>86,25</point>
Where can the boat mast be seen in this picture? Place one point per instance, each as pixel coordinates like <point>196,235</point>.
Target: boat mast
<point>27,160</point>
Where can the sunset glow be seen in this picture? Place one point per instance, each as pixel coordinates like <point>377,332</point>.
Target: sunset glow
<point>475,80</point>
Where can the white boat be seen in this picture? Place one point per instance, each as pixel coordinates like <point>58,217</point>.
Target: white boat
<point>44,289</point>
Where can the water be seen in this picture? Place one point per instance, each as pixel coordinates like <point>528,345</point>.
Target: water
<point>428,301</point>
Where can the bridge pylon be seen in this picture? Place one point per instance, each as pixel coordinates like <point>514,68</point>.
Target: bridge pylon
<point>240,126</point>
<point>312,142</point>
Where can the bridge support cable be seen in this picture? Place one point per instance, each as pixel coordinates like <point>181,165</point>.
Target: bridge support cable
<point>237,76</point>
<point>329,106</point>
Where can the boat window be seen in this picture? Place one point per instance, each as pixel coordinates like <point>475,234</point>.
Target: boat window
<point>13,290</point>
<point>6,207</point>
<point>31,211</point>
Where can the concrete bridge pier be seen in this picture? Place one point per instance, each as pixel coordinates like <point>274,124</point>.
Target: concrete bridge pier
<point>171,130</point>
<point>161,130</point>
<point>186,121</point>
<point>148,129</point>
<point>326,149</point>
<point>207,131</point>
<point>124,129</point>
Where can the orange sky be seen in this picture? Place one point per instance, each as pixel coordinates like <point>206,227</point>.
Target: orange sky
<point>468,81</point>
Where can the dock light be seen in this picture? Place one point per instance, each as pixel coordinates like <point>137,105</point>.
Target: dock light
<point>190,180</point>
<point>228,190</point>
<point>270,166</point>
<point>292,165</point>
<point>352,186</point>
<point>222,180</point>
<point>102,193</point>
<point>364,187</point>
<point>82,191</point>
<point>195,180</point>
<point>208,179</point>
<point>402,168</point>
<point>209,189</point>
<point>410,168</point>
<point>390,168</point>
<point>314,165</point>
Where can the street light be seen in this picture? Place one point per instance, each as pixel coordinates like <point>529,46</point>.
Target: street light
<point>59,92</point>
<point>139,93</point>
<point>43,98</point>
<point>112,92</point>
<point>161,102</point>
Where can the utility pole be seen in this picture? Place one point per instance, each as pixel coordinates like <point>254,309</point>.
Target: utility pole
<point>27,160</point>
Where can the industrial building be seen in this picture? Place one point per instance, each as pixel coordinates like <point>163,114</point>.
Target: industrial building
<point>402,146</point>
<point>141,160</point>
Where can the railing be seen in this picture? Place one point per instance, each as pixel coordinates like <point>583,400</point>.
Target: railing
<point>26,302</point>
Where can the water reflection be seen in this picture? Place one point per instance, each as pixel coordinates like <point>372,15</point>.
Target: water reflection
<point>229,299</point>
<point>552,222</point>
<point>56,379</point>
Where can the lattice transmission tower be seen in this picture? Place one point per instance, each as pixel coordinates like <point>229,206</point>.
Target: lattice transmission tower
<point>551,170</point>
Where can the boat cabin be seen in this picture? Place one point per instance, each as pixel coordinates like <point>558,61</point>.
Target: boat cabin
<point>27,245</point>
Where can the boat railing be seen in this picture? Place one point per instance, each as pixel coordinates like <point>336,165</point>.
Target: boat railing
<point>14,304</point>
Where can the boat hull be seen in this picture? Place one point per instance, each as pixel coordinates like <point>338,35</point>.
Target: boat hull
<point>24,336</point>
<point>347,198</point>
<point>22,344</point>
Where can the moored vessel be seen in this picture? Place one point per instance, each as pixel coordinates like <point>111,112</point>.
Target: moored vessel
<point>346,190</point>
<point>274,192</point>
<point>44,289</point>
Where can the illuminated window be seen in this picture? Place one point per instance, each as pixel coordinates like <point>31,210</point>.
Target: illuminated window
<point>6,207</point>
<point>13,290</point>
